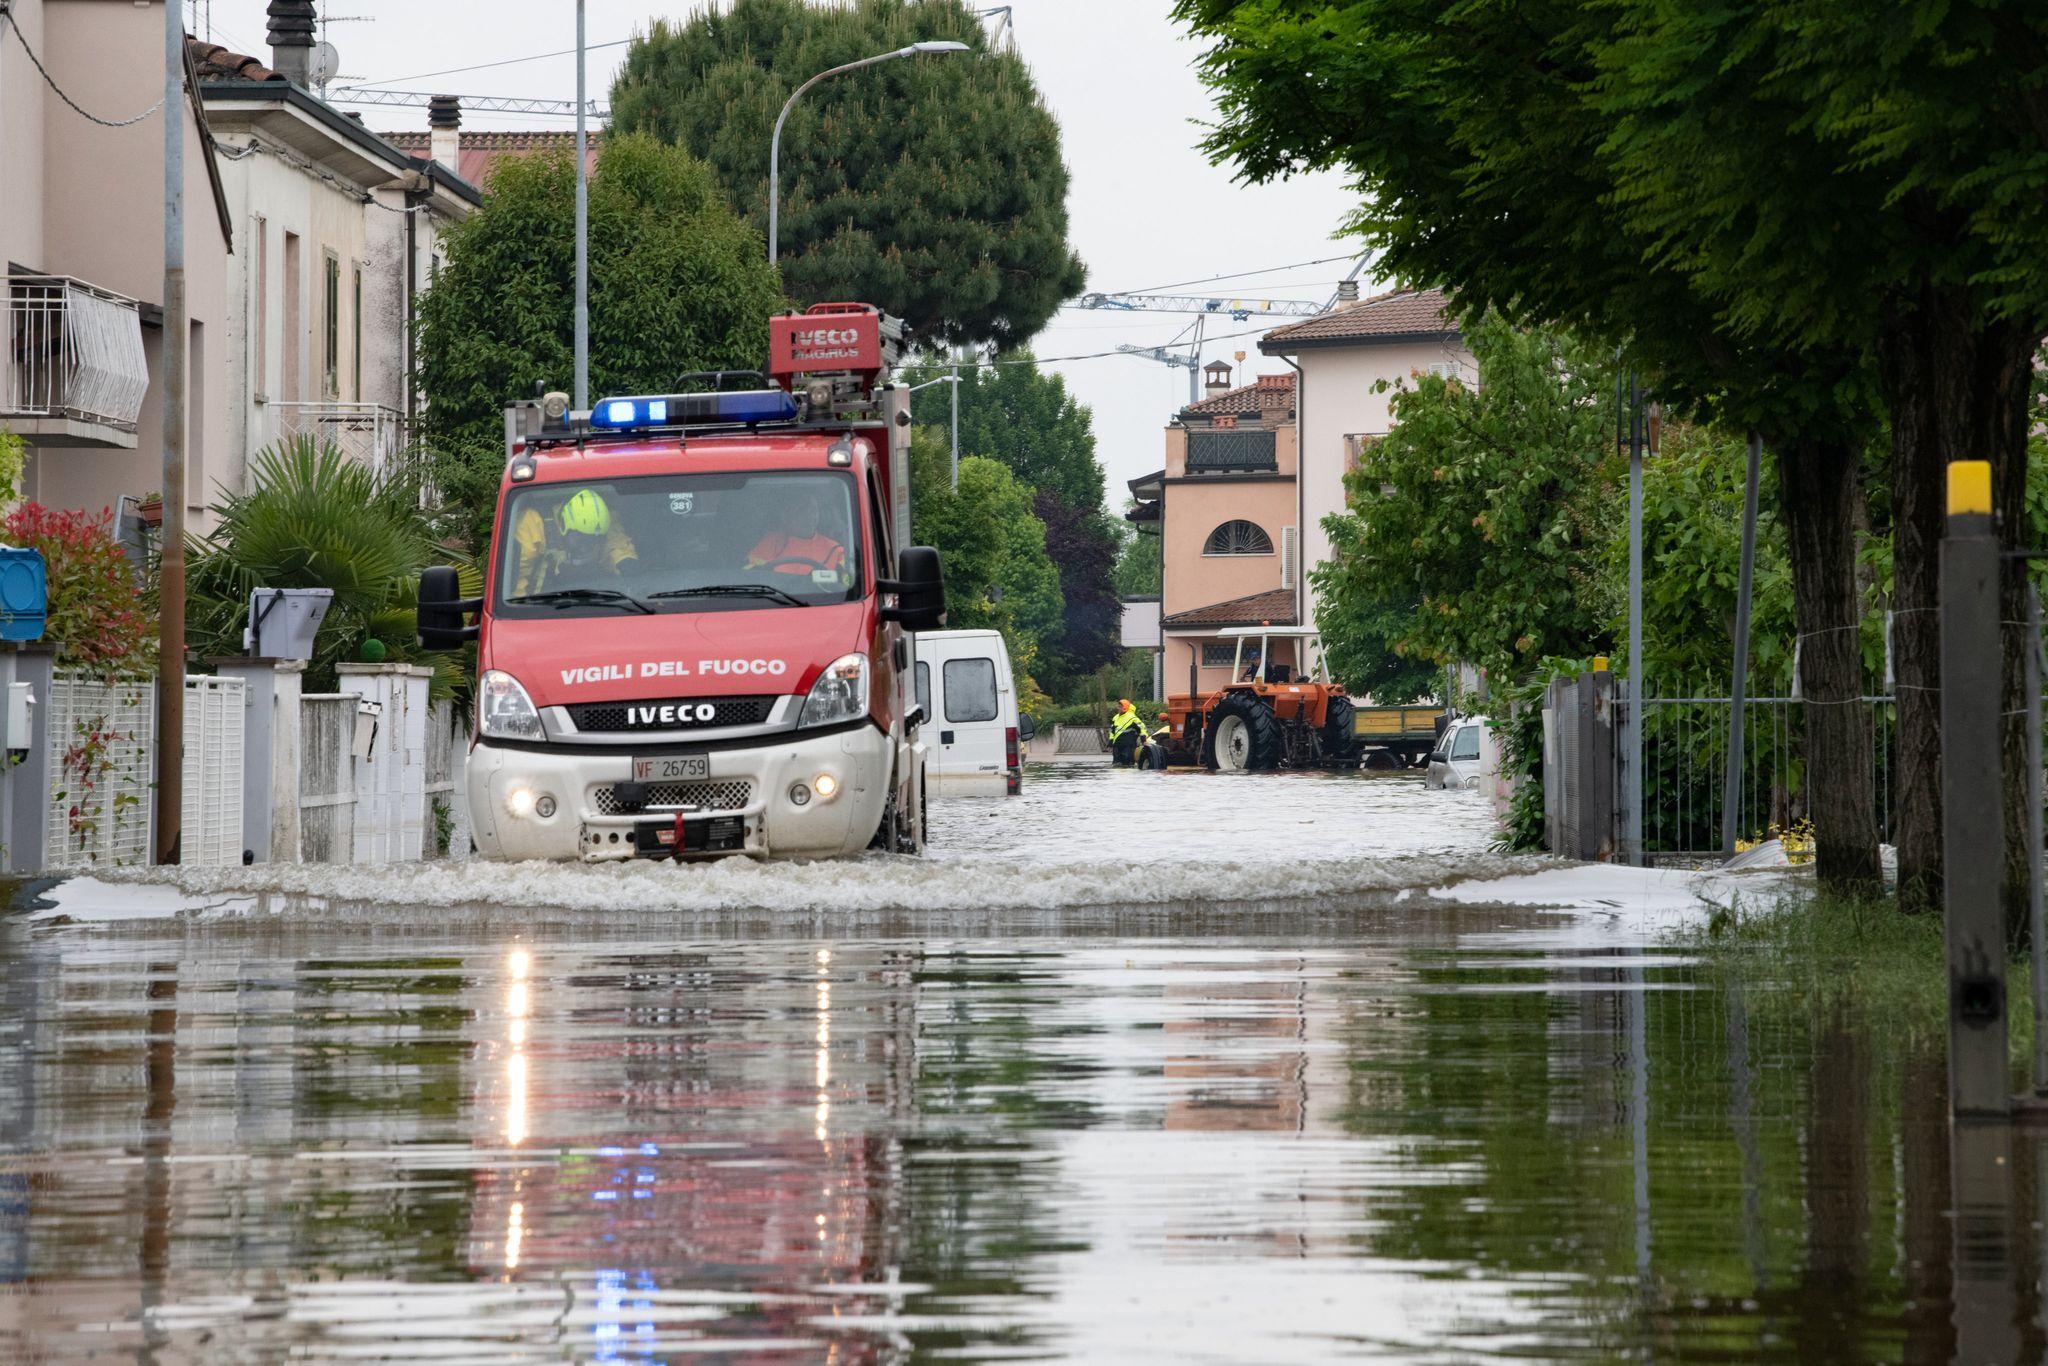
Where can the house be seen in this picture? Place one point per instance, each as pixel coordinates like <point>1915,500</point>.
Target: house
<point>1225,507</point>
<point>82,247</point>
<point>1349,359</point>
<point>307,240</point>
<point>341,233</point>
<point>474,154</point>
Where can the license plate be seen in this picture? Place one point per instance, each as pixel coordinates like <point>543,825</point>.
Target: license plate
<point>672,768</point>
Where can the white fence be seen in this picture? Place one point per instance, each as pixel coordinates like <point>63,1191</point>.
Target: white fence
<point>327,777</point>
<point>216,712</point>
<point>102,737</point>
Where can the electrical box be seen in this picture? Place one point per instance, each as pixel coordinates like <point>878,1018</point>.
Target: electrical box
<point>20,720</point>
<point>284,621</point>
<point>368,714</point>
<point>24,594</point>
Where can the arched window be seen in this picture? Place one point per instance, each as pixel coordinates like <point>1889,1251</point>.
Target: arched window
<point>1238,538</point>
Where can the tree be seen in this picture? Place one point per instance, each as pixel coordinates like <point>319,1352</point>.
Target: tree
<point>1597,166</point>
<point>1138,568</point>
<point>677,283</point>
<point>1021,415</point>
<point>1474,528</point>
<point>992,549</point>
<point>932,187</point>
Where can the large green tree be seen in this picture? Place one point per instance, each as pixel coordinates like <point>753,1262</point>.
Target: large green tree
<point>677,283</point>
<point>932,186</point>
<point>1599,166</point>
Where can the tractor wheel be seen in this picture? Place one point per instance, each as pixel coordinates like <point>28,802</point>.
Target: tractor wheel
<point>1340,734</point>
<point>1243,736</point>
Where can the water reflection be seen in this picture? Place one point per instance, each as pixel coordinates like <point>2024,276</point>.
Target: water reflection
<point>1427,1135</point>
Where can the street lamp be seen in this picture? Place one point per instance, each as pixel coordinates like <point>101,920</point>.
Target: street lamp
<point>775,142</point>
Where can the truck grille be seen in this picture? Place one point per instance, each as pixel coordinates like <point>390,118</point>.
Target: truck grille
<point>727,794</point>
<point>645,713</point>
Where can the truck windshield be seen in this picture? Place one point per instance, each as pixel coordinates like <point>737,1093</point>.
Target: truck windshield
<point>678,543</point>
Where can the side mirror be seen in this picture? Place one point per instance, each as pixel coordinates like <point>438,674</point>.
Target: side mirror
<point>439,610</point>
<point>920,590</point>
<point>1026,727</point>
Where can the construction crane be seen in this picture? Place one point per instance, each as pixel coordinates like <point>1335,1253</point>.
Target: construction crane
<point>492,104</point>
<point>1238,309</point>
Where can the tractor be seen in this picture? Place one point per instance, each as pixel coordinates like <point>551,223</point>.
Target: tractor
<point>1280,709</point>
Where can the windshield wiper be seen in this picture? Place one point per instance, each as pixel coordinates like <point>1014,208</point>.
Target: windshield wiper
<point>733,590</point>
<point>569,597</point>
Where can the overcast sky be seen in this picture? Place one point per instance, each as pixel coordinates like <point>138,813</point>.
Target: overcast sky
<point>1147,208</point>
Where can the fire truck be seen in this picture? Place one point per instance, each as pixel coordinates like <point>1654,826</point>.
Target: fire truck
<point>695,631</point>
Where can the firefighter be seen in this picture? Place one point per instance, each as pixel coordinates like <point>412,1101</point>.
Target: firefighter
<point>577,545</point>
<point>801,546</point>
<point>1126,733</point>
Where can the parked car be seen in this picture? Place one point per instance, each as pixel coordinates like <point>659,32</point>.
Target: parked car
<point>963,685</point>
<point>1462,753</point>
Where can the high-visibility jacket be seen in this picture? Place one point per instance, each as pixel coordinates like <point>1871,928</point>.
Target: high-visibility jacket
<point>536,561</point>
<point>1124,721</point>
<point>820,549</point>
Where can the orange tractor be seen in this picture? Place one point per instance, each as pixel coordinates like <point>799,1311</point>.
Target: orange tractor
<point>1280,709</point>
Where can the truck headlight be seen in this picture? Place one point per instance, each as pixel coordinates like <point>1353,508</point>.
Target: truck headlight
<point>840,694</point>
<point>505,712</point>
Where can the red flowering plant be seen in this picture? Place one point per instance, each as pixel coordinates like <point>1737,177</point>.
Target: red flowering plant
<point>97,617</point>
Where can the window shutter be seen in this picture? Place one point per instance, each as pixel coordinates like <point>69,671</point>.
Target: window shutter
<point>1290,550</point>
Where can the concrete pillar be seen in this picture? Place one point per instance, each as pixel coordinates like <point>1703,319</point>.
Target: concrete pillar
<point>270,756</point>
<point>28,783</point>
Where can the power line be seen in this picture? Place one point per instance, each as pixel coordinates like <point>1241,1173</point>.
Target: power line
<point>7,19</point>
<point>1239,275</point>
<point>486,66</point>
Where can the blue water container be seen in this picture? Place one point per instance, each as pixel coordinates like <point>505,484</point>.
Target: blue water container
<point>24,594</point>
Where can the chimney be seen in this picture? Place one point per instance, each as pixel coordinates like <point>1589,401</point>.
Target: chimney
<point>1347,291</point>
<point>1217,374</point>
<point>444,137</point>
<point>291,39</point>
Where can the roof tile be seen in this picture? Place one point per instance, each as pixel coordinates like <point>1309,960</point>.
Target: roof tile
<point>1245,398</point>
<point>1273,608</point>
<point>1396,314</point>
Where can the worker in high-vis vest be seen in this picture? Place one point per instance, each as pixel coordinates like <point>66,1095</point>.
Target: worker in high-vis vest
<point>578,545</point>
<point>1126,733</point>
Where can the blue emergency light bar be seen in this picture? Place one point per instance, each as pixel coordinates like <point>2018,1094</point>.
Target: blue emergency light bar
<point>674,410</point>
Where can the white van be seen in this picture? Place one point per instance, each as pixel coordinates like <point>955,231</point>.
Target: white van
<point>970,706</point>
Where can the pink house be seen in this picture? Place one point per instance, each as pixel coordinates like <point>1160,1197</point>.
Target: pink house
<point>1224,507</point>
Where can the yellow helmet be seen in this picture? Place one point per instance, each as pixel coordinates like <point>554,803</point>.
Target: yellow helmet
<point>586,512</point>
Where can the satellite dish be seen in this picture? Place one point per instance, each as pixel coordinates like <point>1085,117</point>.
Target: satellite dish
<point>324,65</point>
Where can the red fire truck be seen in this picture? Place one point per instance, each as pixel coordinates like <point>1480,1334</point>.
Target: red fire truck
<point>694,634</point>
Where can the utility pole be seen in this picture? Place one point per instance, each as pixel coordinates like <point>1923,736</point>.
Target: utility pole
<point>582,226</point>
<point>1632,793</point>
<point>170,687</point>
<point>1738,693</point>
<point>956,417</point>
<point>1972,797</point>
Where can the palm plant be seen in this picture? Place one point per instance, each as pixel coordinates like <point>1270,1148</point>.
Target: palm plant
<point>314,518</point>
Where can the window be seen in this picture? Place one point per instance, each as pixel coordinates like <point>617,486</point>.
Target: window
<point>330,322</point>
<point>1220,654</point>
<point>1465,745</point>
<point>355,322</point>
<point>1238,538</point>
<point>878,532</point>
<point>924,690</point>
<point>294,315</point>
<point>679,543</point>
<point>259,309</point>
<point>970,690</point>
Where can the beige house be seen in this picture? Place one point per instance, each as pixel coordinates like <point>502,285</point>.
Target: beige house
<point>1225,507</point>
<point>1349,360</point>
<point>308,239</point>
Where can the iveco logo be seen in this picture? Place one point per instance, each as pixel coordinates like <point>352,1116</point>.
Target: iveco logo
<point>829,336</point>
<point>672,714</point>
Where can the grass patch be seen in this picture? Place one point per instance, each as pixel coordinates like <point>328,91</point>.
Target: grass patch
<point>1813,950</point>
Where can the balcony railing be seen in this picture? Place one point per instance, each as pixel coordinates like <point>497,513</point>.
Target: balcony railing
<point>1245,450</point>
<point>73,353</point>
<point>367,432</point>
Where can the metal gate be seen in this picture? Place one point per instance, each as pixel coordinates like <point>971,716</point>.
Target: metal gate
<point>216,712</point>
<point>104,735</point>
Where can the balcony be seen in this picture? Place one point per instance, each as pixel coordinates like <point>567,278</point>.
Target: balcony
<point>73,372</point>
<point>369,433</point>
<point>1233,450</point>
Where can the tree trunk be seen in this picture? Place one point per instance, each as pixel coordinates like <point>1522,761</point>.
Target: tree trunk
<point>1820,496</point>
<point>1957,390</point>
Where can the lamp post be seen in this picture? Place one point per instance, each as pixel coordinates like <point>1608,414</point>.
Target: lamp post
<point>775,141</point>
<point>582,378</point>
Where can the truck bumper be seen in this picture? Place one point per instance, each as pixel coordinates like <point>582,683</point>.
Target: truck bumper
<point>745,807</point>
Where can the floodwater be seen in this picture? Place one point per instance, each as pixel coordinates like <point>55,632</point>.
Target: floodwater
<point>1368,1122</point>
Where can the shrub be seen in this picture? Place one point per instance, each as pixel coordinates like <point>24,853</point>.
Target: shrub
<point>97,618</point>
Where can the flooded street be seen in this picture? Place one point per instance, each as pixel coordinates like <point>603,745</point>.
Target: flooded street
<point>1079,1090</point>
